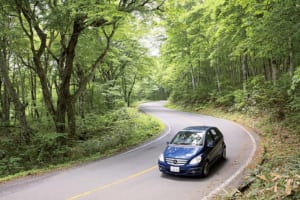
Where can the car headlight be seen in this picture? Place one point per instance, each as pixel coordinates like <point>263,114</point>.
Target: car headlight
<point>196,160</point>
<point>161,158</point>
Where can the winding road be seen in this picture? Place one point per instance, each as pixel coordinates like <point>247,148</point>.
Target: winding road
<point>133,175</point>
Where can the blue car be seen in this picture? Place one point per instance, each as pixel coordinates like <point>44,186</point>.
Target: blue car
<point>193,151</point>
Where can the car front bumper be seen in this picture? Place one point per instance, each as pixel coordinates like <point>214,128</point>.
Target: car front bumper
<point>185,170</point>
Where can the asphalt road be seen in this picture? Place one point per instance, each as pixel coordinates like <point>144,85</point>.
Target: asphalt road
<point>133,175</point>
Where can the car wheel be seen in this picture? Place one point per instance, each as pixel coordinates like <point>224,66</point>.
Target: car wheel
<point>224,154</point>
<point>205,170</point>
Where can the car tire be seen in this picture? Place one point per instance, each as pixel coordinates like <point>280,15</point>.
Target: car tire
<point>206,168</point>
<point>224,154</point>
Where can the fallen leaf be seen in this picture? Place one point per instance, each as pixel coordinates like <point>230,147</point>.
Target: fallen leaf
<point>263,177</point>
<point>276,176</point>
<point>276,188</point>
<point>288,187</point>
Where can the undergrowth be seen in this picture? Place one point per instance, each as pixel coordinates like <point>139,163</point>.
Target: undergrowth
<point>97,137</point>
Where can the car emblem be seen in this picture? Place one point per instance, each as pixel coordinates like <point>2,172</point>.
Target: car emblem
<point>175,161</point>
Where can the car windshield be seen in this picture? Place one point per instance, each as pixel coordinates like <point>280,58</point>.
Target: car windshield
<point>188,138</point>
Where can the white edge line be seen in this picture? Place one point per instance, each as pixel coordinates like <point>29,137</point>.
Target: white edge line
<point>226,183</point>
<point>152,141</point>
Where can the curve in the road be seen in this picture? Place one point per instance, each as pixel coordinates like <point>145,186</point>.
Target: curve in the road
<point>133,174</point>
<point>238,172</point>
<point>165,133</point>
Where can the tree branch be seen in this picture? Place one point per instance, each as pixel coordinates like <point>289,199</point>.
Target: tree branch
<point>85,80</point>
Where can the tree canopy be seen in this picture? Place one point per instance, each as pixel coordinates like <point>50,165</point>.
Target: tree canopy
<point>69,69</point>
<point>61,48</point>
<point>233,53</point>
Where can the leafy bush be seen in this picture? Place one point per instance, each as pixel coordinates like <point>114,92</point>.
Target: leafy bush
<point>10,165</point>
<point>50,147</point>
<point>98,136</point>
<point>116,130</point>
<point>226,100</point>
<point>294,91</point>
<point>239,100</point>
<point>11,160</point>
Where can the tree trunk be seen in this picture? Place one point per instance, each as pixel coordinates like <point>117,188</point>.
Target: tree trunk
<point>274,71</point>
<point>127,92</point>
<point>5,104</point>
<point>192,77</point>
<point>71,120</point>
<point>130,91</point>
<point>35,112</point>
<point>21,84</point>
<point>47,95</point>
<point>66,103</point>
<point>124,87</point>
<point>4,97</point>
<point>216,68</point>
<point>60,117</point>
<point>291,58</point>
<point>245,71</point>
<point>1,102</point>
<point>268,69</point>
<point>19,106</point>
<point>82,105</point>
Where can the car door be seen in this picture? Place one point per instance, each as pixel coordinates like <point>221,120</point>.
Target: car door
<point>218,141</point>
<point>211,146</point>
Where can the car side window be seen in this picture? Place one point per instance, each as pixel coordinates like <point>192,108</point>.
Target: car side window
<point>215,134</point>
<point>209,139</point>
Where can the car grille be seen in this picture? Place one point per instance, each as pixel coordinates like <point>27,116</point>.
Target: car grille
<point>176,161</point>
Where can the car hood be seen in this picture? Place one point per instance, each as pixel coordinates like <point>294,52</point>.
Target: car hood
<point>183,152</point>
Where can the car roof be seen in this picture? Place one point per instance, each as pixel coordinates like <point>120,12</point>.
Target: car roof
<point>198,128</point>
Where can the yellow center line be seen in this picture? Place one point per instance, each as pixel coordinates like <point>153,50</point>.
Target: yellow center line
<point>113,183</point>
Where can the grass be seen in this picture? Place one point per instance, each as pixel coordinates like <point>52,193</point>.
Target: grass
<point>103,136</point>
<point>277,174</point>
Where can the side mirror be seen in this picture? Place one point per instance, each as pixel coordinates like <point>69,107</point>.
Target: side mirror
<point>210,144</point>
<point>168,142</point>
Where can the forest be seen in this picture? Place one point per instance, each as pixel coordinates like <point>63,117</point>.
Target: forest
<point>71,72</point>
<point>237,54</point>
<point>241,56</point>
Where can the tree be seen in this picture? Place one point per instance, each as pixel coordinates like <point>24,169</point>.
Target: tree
<point>54,30</point>
<point>227,46</point>
<point>10,92</point>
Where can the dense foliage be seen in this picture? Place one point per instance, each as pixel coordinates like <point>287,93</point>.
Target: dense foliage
<point>241,55</point>
<point>68,69</point>
<point>100,136</point>
<point>63,59</point>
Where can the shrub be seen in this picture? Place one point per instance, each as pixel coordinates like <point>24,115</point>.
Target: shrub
<point>98,136</point>
<point>50,147</point>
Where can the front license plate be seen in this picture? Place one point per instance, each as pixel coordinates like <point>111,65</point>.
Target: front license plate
<point>174,169</point>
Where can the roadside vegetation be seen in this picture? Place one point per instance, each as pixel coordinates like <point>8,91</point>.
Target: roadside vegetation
<point>71,70</point>
<point>69,74</point>
<point>242,58</point>
<point>99,136</point>
<point>275,173</point>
